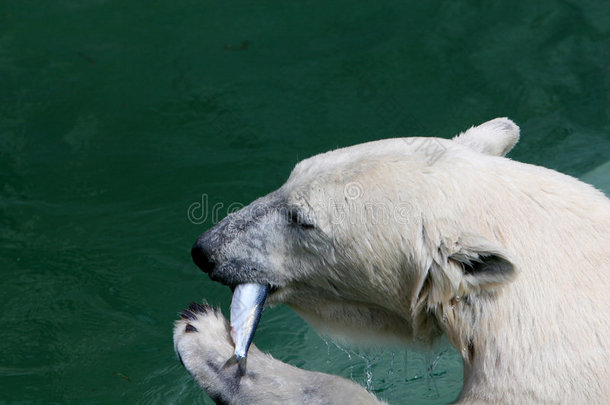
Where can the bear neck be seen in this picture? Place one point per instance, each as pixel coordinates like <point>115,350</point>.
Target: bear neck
<point>494,363</point>
<point>511,352</point>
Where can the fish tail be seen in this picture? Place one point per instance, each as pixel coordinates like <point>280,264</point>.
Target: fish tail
<point>241,364</point>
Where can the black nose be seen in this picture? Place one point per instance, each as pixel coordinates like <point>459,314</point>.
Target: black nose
<point>201,257</point>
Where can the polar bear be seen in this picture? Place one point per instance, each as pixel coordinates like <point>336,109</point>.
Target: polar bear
<point>408,239</point>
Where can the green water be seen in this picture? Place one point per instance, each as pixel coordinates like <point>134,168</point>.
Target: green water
<point>117,116</point>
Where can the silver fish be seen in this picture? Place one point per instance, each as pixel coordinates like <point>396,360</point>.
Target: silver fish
<point>247,307</point>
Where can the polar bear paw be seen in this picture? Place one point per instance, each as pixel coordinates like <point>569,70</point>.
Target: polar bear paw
<point>202,333</point>
<point>203,343</point>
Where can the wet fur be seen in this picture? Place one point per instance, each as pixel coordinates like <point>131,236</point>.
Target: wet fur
<point>203,343</point>
<point>509,260</point>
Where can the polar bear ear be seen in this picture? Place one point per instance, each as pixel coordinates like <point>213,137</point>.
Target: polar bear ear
<point>482,264</point>
<point>496,137</point>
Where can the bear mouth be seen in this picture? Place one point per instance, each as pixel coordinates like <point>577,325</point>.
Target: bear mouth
<point>272,288</point>
<point>232,271</point>
<point>235,273</point>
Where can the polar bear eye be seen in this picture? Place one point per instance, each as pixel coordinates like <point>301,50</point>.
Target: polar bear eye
<point>297,218</point>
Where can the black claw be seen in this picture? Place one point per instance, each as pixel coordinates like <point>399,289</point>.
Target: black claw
<point>198,308</point>
<point>188,315</point>
<point>190,328</point>
<point>194,307</point>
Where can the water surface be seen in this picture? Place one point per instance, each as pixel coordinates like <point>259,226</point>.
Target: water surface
<point>115,117</point>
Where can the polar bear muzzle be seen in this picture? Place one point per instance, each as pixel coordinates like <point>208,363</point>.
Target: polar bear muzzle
<point>237,249</point>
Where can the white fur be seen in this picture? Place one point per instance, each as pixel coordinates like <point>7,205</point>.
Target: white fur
<point>509,260</point>
<point>205,345</point>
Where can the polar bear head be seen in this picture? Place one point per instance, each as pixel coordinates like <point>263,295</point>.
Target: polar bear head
<point>372,239</point>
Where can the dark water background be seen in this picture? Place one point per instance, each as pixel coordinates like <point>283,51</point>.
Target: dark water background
<point>117,116</point>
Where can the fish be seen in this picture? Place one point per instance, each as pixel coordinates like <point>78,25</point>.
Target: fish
<point>247,306</point>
